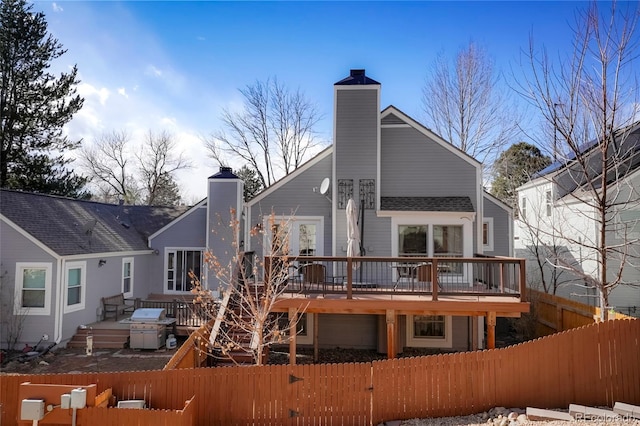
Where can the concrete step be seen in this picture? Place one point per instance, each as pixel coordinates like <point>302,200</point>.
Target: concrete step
<point>103,338</point>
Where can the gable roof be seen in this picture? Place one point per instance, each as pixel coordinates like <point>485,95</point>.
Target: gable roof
<point>427,204</point>
<point>393,116</point>
<point>71,227</point>
<point>627,141</point>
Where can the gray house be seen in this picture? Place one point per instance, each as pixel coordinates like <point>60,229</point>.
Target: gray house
<point>418,196</point>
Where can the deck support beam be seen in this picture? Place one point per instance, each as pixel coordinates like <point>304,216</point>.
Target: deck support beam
<point>491,330</point>
<point>391,333</point>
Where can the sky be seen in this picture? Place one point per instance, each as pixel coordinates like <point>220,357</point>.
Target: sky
<point>175,65</point>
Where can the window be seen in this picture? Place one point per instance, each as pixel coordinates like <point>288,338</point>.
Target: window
<point>487,234</point>
<point>179,264</point>
<point>304,328</point>
<point>447,240</point>
<point>412,240</point>
<point>33,289</point>
<point>302,236</point>
<point>75,285</point>
<point>549,202</point>
<point>523,208</point>
<point>432,331</point>
<point>127,276</point>
<point>307,239</point>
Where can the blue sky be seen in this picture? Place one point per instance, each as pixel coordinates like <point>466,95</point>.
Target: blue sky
<point>173,65</point>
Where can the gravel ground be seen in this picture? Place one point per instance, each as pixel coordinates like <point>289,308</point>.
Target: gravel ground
<point>500,417</point>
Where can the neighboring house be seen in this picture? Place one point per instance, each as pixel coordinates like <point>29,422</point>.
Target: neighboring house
<point>421,196</point>
<point>558,223</point>
<point>59,256</point>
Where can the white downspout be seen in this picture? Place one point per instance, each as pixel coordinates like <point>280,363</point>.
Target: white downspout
<point>59,310</point>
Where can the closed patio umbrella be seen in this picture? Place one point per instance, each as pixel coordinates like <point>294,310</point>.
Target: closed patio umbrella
<point>353,234</point>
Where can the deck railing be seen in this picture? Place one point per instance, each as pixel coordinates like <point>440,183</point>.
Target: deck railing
<point>403,275</point>
<point>186,312</point>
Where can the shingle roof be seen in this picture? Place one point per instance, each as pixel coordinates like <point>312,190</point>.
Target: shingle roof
<point>68,226</point>
<point>427,204</point>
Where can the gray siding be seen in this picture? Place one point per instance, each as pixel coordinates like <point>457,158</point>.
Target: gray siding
<point>356,134</point>
<point>189,231</point>
<point>414,165</point>
<point>16,248</point>
<point>392,119</point>
<point>106,281</point>
<point>501,228</point>
<point>223,197</point>
<point>296,198</point>
<point>356,141</point>
<point>347,331</point>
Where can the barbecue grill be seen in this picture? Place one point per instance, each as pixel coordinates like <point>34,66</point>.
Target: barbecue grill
<point>148,328</point>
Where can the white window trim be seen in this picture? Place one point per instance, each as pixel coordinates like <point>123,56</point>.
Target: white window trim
<point>17,307</point>
<point>131,275</point>
<point>317,220</point>
<point>203,268</point>
<point>83,286</point>
<point>489,245</point>
<point>308,339</point>
<point>435,219</point>
<point>425,342</point>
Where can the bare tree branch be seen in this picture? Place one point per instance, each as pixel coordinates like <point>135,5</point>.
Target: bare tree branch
<point>272,134</point>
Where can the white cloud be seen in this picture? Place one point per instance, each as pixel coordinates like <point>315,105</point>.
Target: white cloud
<point>86,90</point>
<point>56,7</point>
<point>153,71</point>
<point>123,92</point>
<point>200,38</point>
<point>168,121</point>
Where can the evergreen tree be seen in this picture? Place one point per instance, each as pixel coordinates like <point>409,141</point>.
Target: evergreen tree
<point>252,183</point>
<point>34,106</point>
<point>514,167</point>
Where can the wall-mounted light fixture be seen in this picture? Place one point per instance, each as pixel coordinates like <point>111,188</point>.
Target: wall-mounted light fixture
<point>101,262</point>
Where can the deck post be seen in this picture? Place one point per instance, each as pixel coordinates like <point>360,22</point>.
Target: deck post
<point>523,281</point>
<point>434,279</point>
<point>491,330</point>
<point>391,334</point>
<point>349,278</point>
<point>293,317</point>
<point>474,334</point>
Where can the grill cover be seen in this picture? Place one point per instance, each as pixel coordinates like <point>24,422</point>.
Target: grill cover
<point>148,315</point>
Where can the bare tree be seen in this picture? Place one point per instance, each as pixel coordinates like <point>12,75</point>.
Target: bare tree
<point>466,105</point>
<point>11,319</point>
<point>158,162</point>
<point>108,166</point>
<point>243,322</point>
<point>272,134</point>
<point>590,101</point>
<point>120,171</point>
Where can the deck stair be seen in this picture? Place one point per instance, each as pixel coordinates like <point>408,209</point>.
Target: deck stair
<point>243,356</point>
<point>103,338</point>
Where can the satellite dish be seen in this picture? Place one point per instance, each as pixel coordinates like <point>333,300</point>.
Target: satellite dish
<point>324,186</point>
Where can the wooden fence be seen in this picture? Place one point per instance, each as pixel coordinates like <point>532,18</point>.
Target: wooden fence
<point>555,313</point>
<point>596,365</point>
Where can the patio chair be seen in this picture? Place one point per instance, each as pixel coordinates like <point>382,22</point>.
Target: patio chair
<point>423,274</point>
<point>313,273</point>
